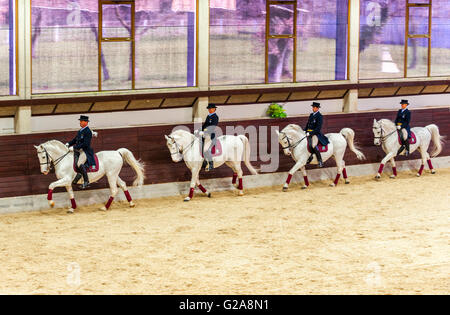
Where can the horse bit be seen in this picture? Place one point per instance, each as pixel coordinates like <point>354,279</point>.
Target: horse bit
<point>292,146</point>
<point>49,159</point>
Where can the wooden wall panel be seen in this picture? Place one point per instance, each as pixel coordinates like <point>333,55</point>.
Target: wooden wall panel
<point>20,173</point>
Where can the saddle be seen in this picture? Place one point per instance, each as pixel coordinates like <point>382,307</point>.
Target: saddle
<point>322,148</point>
<point>412,140</point>
<point>82,160</point>
<point>216,150</point>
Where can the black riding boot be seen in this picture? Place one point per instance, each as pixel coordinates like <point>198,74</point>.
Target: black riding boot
<point>76,179</point>
<point>208,161</point>
<point>85,177</point>
<point>407,147</point>
<point>311,149</point>
<point>319,156</point>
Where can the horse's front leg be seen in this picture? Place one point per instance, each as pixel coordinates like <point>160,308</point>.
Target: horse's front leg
<point>73,204</point>
<point>389,156</point>
<point>394,169</point>
<point>305,178</point>
<point>63,182</point>
<point>203,189</point>
<point>195,173</point>
<point>294,169</point>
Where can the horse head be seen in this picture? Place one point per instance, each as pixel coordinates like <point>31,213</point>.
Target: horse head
<point>174,147</point>
<point>377,132</point>
<point>46,153</point>
<point>288,136</point>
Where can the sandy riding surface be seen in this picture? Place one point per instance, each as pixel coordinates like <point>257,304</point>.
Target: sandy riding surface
<point>387,237</point>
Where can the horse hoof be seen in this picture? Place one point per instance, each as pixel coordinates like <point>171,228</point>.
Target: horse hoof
<point>132,204</point>
<point>347,182</point>
<point>285,189</point>
<point>241,193</point>
<point>433,172</point>
<point>187,199</point>
<point>332,185</point>
<point>304,187</point>
<point>209,195</point>
<point>103,208</point>
<point>51,203</point>
<point>418,175</point>
<point>236,186</point>
<point>70,211</point>
<point>393,176</point>
<point>377,177</point>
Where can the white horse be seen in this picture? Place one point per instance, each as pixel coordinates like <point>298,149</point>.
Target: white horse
<point>294,143</point>
<point>185,146</point>
<point>55,153</point>
<point>386,135</point>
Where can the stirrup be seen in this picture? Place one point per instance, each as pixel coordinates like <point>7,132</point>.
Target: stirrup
<point>84,185</point>
<point>209,167</point>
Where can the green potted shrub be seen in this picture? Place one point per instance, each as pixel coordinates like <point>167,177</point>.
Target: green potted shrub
<point>276,111</point>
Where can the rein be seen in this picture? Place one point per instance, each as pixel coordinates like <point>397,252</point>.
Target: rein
<point>291,146</point>
<point>181,151</point>
<point>383,138</point>
<point>50,161</point>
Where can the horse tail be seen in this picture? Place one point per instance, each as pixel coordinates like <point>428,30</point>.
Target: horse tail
<point>349,135</point>
<point>438,140</point>
<point>246,156</point>
<point>137,165</point>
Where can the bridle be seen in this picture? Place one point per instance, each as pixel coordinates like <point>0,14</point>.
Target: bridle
<point>290,146</point>
<point>49,160</point>
<point>179,149</point>
<point>383,138</point>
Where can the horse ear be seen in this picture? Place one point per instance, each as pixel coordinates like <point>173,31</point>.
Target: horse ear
<point>278,133</point>
<point>36,147</point>
<point>374,121</point>
<point>167,138</point>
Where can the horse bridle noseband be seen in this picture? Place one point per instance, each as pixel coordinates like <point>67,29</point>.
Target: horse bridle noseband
<point>50,161</point>
<point>381,134</point>
<point>291,146</point>
<point>180,151</point>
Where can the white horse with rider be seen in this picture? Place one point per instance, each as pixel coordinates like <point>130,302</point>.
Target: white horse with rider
<point>186,146</point>
<point>294,142</point>
<point>386,135</point>
<point>55,154</point>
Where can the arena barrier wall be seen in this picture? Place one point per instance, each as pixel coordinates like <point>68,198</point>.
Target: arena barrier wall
<point>20,173</point>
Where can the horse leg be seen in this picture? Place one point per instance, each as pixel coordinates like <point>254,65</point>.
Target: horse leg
<point>240,173</point>
<point>294,169</point>
<point>123,185</point>
<point>340,167</point>
<point>112,180</point>
<point>305,178</point>
<point>394,168</point>
<point>235,175</point>
<point>203,189</point>
<point>195,171</point>
<point>344,173</point>
<point>389,156</point>
<point>430,165</point>
<point>72,200</point>
<point>63,182</point>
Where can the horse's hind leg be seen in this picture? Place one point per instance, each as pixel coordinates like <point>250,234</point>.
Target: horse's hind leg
<point>112,180</point>
<point>73,204</point>
<point>235,174</point>
<point>240,173</point>
<point>339,164</point>
<point>305,178</point>
<point>203,189</point>
<point>394,168</point>
<point>123,185</point>
<point>344,173</point>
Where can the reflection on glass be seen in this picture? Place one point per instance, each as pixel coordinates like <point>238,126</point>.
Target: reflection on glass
<point>382,39</point>
<point>440,38</point>
<point>7,49</point>
<point>118,60</point>
<point>280,61</point>
<point>281,21</point>
<point>418,20</point>
<point>417,57</point>
<point>116,21</point>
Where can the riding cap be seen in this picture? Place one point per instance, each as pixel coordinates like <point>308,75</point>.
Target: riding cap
<point>211,106</point>
<point>84,118</point>
<point>404,102</point>
<point>315,104</point>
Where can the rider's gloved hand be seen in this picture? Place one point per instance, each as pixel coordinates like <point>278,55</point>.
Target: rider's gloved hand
<point>67,144</point>
<point>201,133</point>
<point>399,127</point>
<point>308,134</point>
<point>94,134</point>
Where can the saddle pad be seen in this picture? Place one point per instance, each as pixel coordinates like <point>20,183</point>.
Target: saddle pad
<point>322,148</point>
<point>413,139</point>
<point>215,150</point>
<point>90,170</point>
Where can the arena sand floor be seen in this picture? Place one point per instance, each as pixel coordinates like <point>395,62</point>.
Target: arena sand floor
<point>381,237</point>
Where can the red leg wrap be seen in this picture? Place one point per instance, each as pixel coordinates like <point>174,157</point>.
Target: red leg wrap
<point>74,204</point>
<point>203,189</point>
<point>234,179</point>
<point>127,194</point>
<point>344,172</point>
<point>336,181</point>
<point>430,165</point>
<point>305,178</point>
<point>191,193</point>
<point>394,170</point>
<point>108,204</point>
<point>50,194</point>
<point>288,180</point>
<point>240,184</point>
<point>380,170</point>
<point>421,169</point>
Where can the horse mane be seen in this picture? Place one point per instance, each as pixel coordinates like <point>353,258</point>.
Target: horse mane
<point>387,123</point>
<point>56,143</point>
<point>295,127</point>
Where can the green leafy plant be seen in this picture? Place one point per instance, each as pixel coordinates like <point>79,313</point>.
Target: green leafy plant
<point>276,111</point>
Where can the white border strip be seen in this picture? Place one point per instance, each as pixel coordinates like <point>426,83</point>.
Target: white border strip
<point>99,196</point>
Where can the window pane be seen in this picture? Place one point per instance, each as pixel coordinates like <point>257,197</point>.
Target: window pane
<point>237,42</point>
<point>322,40</point>
<point>165,43</point>
<point>382,39</point>
<point>118,58</point>
<point>440,38</point>
<point>116,20</point>
<point>417,57</point>
<point>64,46</point>
<point>418,20</point>
<point>7,48</point>
<point>281,20</point>
<point>280,61</point>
